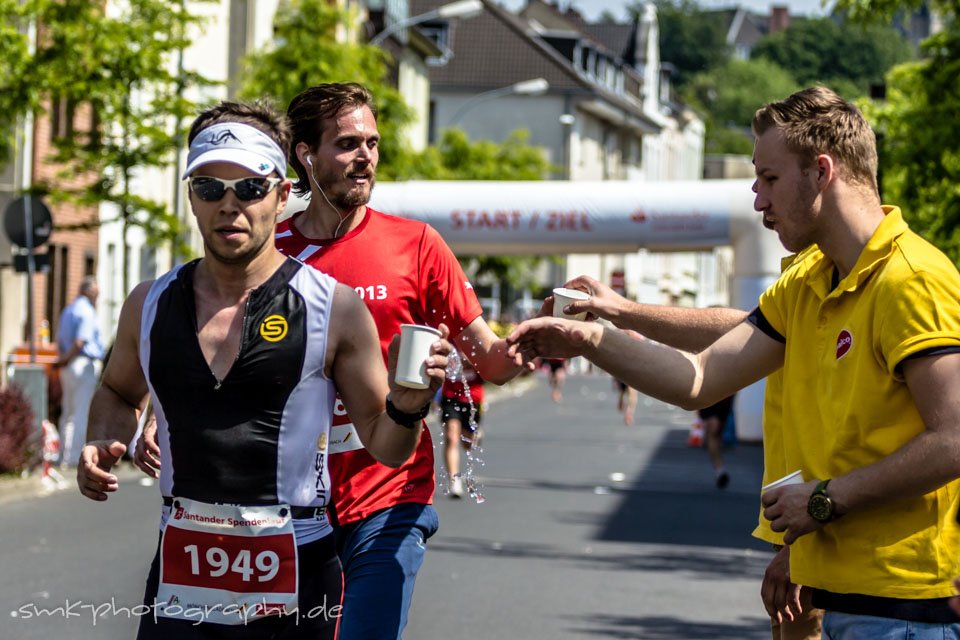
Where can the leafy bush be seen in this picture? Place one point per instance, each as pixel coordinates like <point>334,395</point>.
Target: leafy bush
<point>16,425</point>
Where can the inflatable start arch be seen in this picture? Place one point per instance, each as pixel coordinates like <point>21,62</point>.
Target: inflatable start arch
<point>548,218</point>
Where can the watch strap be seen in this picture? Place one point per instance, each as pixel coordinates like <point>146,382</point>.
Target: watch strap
<point>404,419</point>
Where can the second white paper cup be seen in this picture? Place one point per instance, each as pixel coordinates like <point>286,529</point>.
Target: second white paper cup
<point>794,478</point>
<point>415,341</point>
<point>562,297</point>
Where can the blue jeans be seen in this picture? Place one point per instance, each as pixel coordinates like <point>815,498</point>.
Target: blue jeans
<point>846,626</point>
<point>381,556</point>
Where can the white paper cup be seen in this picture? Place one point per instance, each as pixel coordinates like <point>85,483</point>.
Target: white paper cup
<point>794,478</point>
<point>415,341</point>
<point>562,297</point>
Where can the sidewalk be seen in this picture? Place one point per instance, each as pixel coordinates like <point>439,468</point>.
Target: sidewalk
<point>14,488</point>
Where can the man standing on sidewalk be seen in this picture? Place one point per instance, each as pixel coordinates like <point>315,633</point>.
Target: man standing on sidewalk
<point>80,358</point>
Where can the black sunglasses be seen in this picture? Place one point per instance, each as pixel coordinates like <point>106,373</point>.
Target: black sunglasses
<point>211,189</point>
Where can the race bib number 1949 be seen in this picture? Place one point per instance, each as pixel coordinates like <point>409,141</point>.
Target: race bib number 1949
<point>227,564</point>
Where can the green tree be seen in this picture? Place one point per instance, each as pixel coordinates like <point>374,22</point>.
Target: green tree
<point>873,12</point>
<point>305,52</point>
<point>917,126</point>
<point>920,141</point>
<point>691,39</point>
<point>117,67</point>
<point>846,56</point>
<point>730,94</point>
<point>457,158</point>
<point>608,17</point>
<point>18,96</point>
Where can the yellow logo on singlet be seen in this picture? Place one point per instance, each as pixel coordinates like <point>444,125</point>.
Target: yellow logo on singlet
<point>274,328</point>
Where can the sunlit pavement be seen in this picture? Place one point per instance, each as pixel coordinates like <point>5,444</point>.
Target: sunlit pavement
<point>595,529</point>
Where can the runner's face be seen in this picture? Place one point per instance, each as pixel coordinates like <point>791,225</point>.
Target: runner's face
<point>346,159</point>
<point>234,231</point>
<point>787,193</point>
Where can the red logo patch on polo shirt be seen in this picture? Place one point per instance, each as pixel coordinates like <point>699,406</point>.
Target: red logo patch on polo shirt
<point>844,343</point>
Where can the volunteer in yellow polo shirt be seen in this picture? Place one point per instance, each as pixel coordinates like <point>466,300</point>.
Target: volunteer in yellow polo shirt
<point>846,342</point>
<point>867,331</point>
<point>793,616</point>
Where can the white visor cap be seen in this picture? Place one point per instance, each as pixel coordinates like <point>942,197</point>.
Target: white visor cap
<point>238,144</point>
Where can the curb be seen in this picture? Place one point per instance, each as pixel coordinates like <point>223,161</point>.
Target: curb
<point>14,488</point>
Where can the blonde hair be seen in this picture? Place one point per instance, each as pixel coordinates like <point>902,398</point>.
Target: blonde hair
<point>817,121</point>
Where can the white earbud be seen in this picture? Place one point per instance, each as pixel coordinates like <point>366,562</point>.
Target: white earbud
<point>310,176</point>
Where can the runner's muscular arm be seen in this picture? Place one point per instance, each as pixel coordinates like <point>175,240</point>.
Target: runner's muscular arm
<point>355,364</point>
<point>691,381</point>
<point>115,405</point>
<point>680,327</point>
<point>487,352</point>
<point>924,464</point>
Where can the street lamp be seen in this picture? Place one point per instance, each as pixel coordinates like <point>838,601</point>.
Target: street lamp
<point>459,9</point>
<point>534,87</point>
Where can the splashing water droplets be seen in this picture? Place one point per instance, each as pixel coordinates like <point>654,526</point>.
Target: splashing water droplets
<point>454,366</point>
<point>455,374</point>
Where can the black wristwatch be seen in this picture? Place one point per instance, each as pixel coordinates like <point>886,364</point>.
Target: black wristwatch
<point>404,419</point>
<point>820,506</point>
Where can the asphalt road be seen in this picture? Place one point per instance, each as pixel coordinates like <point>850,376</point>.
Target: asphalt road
<point>590,529</point>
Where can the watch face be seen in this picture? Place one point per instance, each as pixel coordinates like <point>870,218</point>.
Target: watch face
<point>820,507</point>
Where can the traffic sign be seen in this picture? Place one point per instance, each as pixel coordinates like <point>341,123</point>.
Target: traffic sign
<point>15,221</point>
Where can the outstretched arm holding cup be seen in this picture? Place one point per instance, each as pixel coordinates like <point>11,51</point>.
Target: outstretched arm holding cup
<point>688,380</point>
<point>680,327</point>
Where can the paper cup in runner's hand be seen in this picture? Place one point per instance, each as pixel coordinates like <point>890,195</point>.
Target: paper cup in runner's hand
<point>415,341</point>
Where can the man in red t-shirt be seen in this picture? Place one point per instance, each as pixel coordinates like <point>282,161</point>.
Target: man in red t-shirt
<point>405,273</point>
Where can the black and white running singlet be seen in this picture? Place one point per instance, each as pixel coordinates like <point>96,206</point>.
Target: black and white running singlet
<point>259,436</point>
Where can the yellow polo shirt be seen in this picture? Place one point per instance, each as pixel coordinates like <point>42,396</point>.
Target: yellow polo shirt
<point>846,405</point>
<point>774,458</point>
<point>774,462</point>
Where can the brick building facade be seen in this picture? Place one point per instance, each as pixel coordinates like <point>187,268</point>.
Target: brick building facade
<point>72,251</point>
